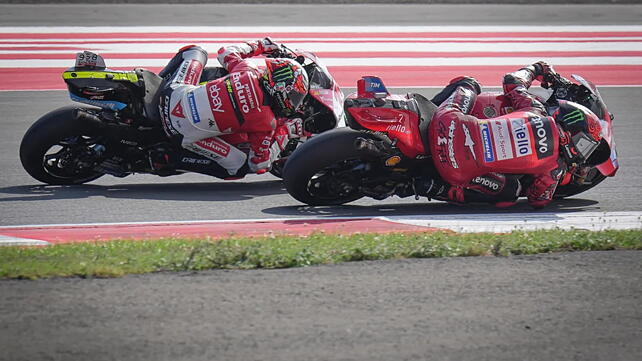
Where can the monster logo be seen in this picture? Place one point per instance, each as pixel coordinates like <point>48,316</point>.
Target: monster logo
<point>573,117</point>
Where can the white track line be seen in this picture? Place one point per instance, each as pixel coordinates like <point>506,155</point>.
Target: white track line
<point>15,241</point>
<point>508,222</point>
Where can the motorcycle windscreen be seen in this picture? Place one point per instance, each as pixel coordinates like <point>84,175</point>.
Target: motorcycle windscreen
<point>610,166</point>
<point>325,90</point>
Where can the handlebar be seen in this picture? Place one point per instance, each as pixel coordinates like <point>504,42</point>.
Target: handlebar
<point>283,52</point>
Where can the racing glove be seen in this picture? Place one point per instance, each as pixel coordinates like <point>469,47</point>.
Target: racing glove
<point>262,151</point>
<point>289,129</point>
<point>260,162</point>
<point>541,192</point>
<point>267,46</point>
<point>542,69</point>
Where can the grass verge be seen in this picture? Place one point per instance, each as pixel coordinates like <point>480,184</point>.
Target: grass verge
<point>117,258</point>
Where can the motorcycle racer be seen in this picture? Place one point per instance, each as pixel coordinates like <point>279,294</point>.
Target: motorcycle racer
<point>481,159</point>
<point>248,106</point>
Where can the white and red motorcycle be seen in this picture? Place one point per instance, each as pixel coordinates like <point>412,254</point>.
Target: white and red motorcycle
<point>65,146</point>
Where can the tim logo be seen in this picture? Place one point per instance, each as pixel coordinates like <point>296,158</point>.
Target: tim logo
<point>374,84</point>
<point>489,154</point>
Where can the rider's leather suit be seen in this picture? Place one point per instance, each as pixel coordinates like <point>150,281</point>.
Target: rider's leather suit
<point>226,110</point>
<point>479,158</point>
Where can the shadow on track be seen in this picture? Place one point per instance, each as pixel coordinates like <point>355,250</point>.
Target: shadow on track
<point>423,208</point>
<point>216,191</point>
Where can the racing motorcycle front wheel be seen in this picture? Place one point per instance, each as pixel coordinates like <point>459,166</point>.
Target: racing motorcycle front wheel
<point>328,169</point>
<point>593,178</point>
<point>59,149</point>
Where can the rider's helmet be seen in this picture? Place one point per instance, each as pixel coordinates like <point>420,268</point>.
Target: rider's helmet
<point>581,140</point>
<point>287,83</point>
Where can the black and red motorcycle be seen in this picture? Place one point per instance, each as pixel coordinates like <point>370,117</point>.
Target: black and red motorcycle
<point>383,149</point>
<point>118,129</point>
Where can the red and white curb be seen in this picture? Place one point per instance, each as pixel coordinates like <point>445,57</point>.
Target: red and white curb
<point>33,58</point>
<point>99,232</point>
<point>38,235</point>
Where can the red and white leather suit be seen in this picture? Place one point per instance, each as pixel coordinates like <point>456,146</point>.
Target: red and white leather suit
<point>232,109</point>
<point>478,155</point>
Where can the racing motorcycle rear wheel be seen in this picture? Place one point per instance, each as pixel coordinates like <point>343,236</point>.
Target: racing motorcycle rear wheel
<point>59,149</point>
<point>328,169</point>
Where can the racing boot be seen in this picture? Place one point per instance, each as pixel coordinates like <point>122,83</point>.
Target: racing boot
<point>424,186</point>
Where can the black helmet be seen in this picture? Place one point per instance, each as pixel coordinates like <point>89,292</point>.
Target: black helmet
<point>581,138</point>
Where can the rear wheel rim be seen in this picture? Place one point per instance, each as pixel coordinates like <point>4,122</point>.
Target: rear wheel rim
<point>336,183</point>
<point>71,158</point>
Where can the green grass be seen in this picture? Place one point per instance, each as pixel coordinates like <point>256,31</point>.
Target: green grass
<point>117,258</point>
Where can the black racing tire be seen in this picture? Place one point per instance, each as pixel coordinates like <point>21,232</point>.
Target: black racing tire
<point>325,153</point>
<point>593,178</point>
<point>57,129</point>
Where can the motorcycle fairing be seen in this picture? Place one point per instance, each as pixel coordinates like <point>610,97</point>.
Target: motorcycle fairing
<point>396,116</point>
<point>609,167</point>
<point>108,89</point>
<point>323,87</point>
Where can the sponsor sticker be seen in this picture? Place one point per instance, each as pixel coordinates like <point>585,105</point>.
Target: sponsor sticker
<point>235,106</point>
<point>489,153</point>
<point>215,145</point>
<point>468,142</point>
<point>398,127</point>
<point>490,184</point>
<point>451,144</point>
<point>541,128</point>
<point>192,107</point>
<point>501,138</point>
<point>521,137</point>
<point>489,112</point>
<point>178,110</point>
<point>214,97</point>
<point>196,161</point>
<point>182,73</point>
<point>245,100</point>
<point>193,70</point>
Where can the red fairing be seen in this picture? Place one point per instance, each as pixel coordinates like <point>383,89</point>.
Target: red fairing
<point>398,124</point>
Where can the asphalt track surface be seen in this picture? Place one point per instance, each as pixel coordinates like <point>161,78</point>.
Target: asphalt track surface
<point>141,198</point>
<point>581,306</point>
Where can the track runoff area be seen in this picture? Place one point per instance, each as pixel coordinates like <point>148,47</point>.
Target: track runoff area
<point>33,58</point>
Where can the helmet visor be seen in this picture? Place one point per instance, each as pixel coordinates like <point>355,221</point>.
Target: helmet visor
<point>584,144</point>
<point>296,99</point>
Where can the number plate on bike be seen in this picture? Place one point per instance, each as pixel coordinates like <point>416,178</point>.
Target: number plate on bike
<point>87,59</point>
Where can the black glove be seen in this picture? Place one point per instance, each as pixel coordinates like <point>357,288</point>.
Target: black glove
<point>542,69</point>
<point>547,76</point>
